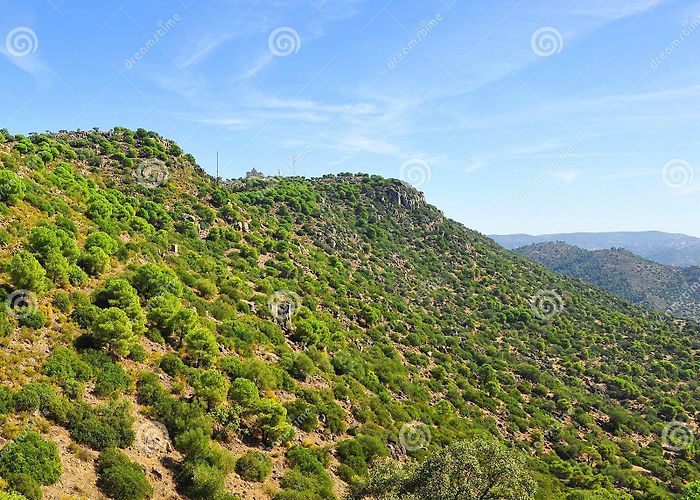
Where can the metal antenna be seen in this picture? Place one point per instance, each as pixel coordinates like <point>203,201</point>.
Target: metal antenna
<point>217,167</point>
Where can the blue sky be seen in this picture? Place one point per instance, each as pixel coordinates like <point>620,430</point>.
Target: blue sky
<point>512,116</point>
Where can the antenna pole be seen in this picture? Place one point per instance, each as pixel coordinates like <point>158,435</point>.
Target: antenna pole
<point>217,167</point>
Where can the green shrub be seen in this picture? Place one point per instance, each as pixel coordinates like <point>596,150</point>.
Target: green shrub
<point>32,318</point>
<point>32,396</point>
<point>25,485</point>
<point>254,466</point>
<point>32,455</point>
<point>120,478</point>
<point>172,364</point>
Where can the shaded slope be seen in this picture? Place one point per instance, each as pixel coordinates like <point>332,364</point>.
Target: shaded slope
<point>630,277</point>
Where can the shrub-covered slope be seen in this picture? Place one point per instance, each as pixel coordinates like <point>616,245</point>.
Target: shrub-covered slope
<point>630,277</point>
<point>175,336</point>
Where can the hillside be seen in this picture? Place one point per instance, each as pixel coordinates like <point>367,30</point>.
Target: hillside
<point>628,276</point>
<point>273,338</point>
<point>677,250</point>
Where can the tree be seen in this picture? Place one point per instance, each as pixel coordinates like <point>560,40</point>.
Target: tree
<point>101,240</point>
<point>244,392</point>
<point>32,455</point>
<point>201,347</point>
<point>113,329</point>
<point>94,261</point>
<point>151,280</point>
<point>211,387</point>
<point>466,470</point>
<point>162,310</point>
<point>271,422</point>
<point>692,491</point>
<point>118,292</point>
<point>310,332</point>
<point>12,187</point>
<point>27,273</point>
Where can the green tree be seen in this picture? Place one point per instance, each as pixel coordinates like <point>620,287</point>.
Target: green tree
<point>211,387</point>
<point>311,332</point>
<point>692,491</point>
<point>271,422</point>
<point>162,311</point>
<point>201,347</point>
<point>27,273</point>
<point>244,392</point>
<point>466,470</point>
<point>12,187</point>
<point>118,292</point>
<point>151,279</point>
<point>112,328</point>
<point>94,261</point>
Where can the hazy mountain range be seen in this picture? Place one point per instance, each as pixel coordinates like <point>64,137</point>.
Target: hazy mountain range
<point>665,248</point>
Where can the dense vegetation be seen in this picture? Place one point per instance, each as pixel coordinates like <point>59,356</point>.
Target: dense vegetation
<point>294,336</point>
<point>630,277</point>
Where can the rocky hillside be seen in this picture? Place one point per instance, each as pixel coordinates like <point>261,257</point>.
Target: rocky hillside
<point>169,336</point>
<point>628,276</point>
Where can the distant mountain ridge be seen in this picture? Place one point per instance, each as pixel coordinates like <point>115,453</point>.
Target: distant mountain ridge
<point>630,277</point>
<point>666,248</point>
